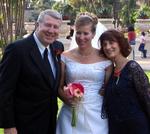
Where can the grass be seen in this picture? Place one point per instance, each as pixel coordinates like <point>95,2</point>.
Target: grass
<point>60,102</point>
<point>1,131</point>
<point>148,74</point>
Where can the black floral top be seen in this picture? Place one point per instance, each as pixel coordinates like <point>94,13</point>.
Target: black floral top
<point>127,95</point>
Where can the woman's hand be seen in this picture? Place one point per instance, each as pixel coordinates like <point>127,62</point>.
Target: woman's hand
<point>67,98</point>
<point>102,90</point>
<point>10,131</point>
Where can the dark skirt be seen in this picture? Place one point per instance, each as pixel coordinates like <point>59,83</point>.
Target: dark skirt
<point>139,125</point>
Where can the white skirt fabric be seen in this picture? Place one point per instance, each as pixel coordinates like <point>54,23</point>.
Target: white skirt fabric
<point>89,119</point>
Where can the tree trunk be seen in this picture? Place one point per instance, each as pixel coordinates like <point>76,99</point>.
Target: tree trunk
<point>11,21</point>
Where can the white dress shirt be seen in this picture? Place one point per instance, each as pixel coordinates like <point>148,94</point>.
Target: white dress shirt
<point>41,49</point>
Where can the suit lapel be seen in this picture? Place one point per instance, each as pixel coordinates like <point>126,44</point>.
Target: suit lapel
<point>56,60</point>
<point>37,58</point>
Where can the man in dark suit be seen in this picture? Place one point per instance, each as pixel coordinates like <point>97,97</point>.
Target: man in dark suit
<point>28,88</point>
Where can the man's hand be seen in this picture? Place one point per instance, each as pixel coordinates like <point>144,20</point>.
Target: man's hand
<point>10,130</point>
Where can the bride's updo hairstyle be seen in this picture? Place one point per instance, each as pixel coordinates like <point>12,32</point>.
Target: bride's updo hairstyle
<point>86,18</point>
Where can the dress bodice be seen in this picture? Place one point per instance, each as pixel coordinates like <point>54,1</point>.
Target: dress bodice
<point>88,110</point>
<point>91,76</point>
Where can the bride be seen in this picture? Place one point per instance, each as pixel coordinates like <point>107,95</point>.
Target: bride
<point>100,28</point>
<point>84,64</point>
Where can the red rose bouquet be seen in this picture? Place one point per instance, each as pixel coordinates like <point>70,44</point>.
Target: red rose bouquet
<point>75,90</point>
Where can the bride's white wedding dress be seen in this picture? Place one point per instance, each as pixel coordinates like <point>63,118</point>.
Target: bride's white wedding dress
<point>89,120</point>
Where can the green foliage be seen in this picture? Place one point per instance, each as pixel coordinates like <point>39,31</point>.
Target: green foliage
<point>132,4</point>
<point>68,11</point>
<point>2,43</point>
<point>102,8</point>
<point>105,12</point>
<point>58,6</point>
<point>128,13</point>
<point>34,4</point>
<point>34,15</point>
<point>106,2</point>
<point>83,9</point>
<point>133,16</point>
<point>124,16</point>
<point>148,74</point>
<point>41,4</point>
<point>1,18</point>
<point>144,12</point>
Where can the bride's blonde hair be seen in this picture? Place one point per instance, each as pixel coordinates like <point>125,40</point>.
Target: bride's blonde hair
<point>86,18</point>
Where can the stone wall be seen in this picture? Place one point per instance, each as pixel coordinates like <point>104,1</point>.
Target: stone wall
<point>141,24</point>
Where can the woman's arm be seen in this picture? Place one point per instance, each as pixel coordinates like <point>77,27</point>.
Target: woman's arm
<point>108,72</point>
<point>142,86</point>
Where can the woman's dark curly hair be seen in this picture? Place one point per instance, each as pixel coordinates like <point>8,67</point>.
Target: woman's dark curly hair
<point>116,36</point>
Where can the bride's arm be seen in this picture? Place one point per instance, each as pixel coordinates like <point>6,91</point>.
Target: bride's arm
<point>108,71</point>
<point>63,95</point>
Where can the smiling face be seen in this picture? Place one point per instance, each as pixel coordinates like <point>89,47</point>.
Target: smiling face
<point>48,30</point>
<point>113,43</point>
<point>111,49</point>
<point>84,36</point>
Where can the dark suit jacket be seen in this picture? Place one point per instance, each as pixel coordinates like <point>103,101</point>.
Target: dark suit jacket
<point>28,96</point>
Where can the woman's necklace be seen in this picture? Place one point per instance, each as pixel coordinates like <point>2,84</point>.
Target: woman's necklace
<point>117,70</point>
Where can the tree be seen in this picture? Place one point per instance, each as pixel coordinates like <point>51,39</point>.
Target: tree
<point>116,9</point>
<point>128,13</point>
<point>41,4</point>
<point>102,8</point>
<point>144,12</point>
<point>11,21</point>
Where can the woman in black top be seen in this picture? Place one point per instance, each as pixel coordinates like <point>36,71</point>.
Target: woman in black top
<point>127,94</point>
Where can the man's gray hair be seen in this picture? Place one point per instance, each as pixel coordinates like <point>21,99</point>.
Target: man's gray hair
<point>49,12</point>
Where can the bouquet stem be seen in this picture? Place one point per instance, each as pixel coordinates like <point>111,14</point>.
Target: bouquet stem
<point>73,122</point>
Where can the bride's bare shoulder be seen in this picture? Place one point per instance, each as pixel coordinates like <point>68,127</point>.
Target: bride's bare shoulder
<point>69,53</point>
<point>101,55</point>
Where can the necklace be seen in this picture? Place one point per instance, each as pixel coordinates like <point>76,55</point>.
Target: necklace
<point>117,70</point>
<point>87,54</point>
